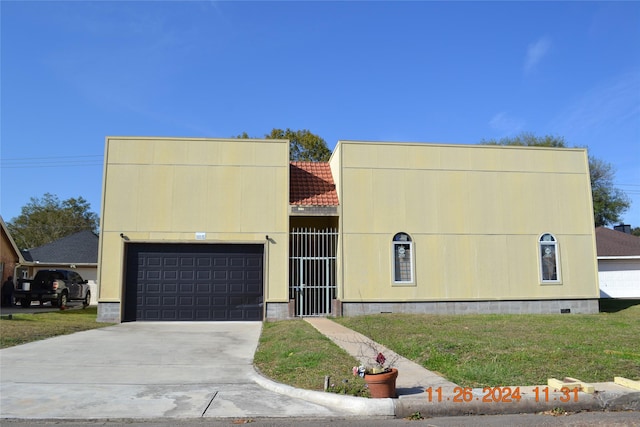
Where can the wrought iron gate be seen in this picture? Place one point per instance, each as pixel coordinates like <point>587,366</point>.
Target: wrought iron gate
<point>312,265</point>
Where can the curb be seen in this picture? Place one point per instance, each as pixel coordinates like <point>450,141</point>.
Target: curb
<point>446,406</point>
<point>349,404</point>
<point>598,401</point>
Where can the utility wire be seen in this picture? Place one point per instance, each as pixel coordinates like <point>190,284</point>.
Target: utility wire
<point>51,161</point>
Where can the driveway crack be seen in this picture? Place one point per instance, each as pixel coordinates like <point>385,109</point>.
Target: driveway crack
<point>209,404</point>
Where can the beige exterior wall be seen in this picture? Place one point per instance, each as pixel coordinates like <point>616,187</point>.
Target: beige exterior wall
<point>475,214</point>
<point>166,190</point>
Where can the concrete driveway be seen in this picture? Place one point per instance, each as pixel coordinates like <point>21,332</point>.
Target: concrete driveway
<point>144,370</point>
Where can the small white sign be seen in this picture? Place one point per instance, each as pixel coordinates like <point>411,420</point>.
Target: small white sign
<point>201,236</point>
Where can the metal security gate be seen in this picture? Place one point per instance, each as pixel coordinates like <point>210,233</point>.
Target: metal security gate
<point>313,270</point>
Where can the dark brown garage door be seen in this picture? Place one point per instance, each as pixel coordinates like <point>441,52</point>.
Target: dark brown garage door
<point>193,282</point>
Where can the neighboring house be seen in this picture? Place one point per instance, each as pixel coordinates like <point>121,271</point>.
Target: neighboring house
<point>618,263</point>
<point>78,252</point>
<point>10,255</point>
<point>229,229</point>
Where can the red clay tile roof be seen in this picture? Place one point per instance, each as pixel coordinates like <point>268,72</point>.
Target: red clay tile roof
<point>616,243</point>
<point>311,184</point>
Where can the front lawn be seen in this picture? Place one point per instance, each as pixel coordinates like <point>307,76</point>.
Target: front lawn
<point>26,327</point>
<point>470,350</point>
<point>293,352</point>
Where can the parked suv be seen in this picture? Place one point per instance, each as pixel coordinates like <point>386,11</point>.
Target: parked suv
<point>57,286</point>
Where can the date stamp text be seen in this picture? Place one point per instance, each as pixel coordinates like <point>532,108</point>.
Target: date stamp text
<point>501,394</point>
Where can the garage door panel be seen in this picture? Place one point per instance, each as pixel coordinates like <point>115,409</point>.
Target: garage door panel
<point>254,288</point>
<point>169,288</point>
<point>236,275</point>
<point>203,315</point>
<point>204,288</point>
<point>187,262</point>
<point>149,301</point>
<point>254,262</point>
<point>186,288</point>
<point>220,275</point>
<point>236,314</point>
<point>220,262</point>
<point>204,262</point>
<point>169,274</point>
<point>170,262</point>
<point>187,275</point>
<point>203,301</point>
<point>220,315</point>
<point>237,288</point>
<point>203,275</point>
<point>221,288</point>
<point>186,300</point>
<point>254,275</point>
<point>219,301</point>
<point>167,315</point>
<point>186,315</point>
<point>169,301</point>
<point>152,315</point>
<point>153,262</point>
<point>236,262</point>
<point>194,282</point>
<point>150,288</point>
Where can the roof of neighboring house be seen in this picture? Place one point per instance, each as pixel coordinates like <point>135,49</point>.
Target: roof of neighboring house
<point>616,243</point>
<point>78,248</point>
<point>311,184</point>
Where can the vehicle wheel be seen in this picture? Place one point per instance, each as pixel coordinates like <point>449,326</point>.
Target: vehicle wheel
<point>62,301</point>
<point>87,300</point>
<point>25,303</point>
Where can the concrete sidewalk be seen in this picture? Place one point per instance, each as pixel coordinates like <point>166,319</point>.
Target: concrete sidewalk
<point>449,399</point>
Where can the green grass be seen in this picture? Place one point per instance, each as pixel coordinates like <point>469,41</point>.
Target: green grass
<point>27,327</point>
<point>470,350</point>
<point>293,352</point>
<point>493,350</point>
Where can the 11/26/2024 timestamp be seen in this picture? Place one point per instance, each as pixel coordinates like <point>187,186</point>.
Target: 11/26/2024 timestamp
<point>501,394</point>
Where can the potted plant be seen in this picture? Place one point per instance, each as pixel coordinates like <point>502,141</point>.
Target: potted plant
<point>380,377</point>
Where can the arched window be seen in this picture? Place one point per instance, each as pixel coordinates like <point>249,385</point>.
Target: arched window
<point>402,249</point>
<point>549,257</point>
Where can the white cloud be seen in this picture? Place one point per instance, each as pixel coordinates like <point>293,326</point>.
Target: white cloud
<point>536,52</point>
<point>506,125</point>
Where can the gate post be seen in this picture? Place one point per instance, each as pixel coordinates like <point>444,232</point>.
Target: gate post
<point>292,308</point>
<point>336,306</point>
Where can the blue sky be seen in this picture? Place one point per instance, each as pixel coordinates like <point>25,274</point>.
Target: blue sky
<point>74,72</point>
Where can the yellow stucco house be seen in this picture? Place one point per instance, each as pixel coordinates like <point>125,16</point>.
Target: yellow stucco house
<point>230,229</point>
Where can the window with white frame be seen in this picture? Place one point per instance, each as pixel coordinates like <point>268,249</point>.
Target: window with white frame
<point>402,258</point>
<point>549,265</point>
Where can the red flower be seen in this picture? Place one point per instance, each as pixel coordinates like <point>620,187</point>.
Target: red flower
<point>380,359</point>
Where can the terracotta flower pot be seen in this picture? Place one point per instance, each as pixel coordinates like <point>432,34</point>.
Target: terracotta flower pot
<point>382,385</point>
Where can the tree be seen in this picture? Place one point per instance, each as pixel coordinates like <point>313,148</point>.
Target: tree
<point>528,139</point>
<point>304,145</point>
<point>609,203</point>
<point>47,219</point>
